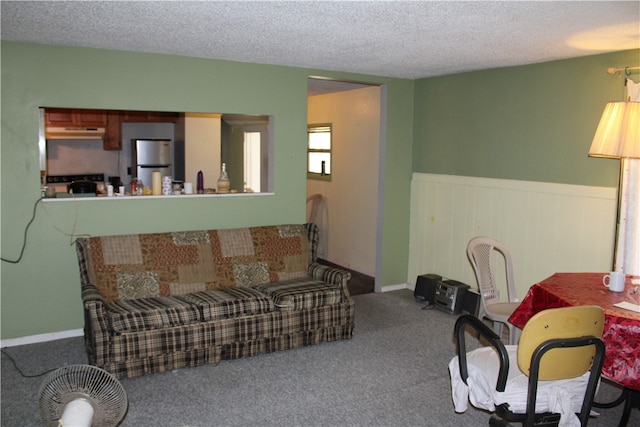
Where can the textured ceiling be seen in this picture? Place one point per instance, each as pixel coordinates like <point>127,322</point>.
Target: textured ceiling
<point>406,39</point>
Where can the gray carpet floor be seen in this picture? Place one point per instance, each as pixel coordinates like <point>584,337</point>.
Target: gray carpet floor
<point>392,373</point>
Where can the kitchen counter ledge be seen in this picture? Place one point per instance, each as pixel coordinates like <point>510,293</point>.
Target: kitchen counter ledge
<point>171,197</point>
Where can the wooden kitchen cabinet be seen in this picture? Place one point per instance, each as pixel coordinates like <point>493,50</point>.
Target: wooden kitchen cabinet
<point>58,117</point>
<point>91,118</point>
<point>149,116</point>
<point>68,117</point>
<point>115,118</point>
<point>111,120</point>
<point>113,131</point>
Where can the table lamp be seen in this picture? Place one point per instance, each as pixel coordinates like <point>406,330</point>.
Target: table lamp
<point>618,136</point>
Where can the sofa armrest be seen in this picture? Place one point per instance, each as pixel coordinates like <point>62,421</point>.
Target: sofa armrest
<point>330,275</point>
<point>90,294</point>
<point>96,326</point>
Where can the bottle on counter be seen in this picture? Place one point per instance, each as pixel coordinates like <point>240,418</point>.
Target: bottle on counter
<point>200,183</point>
<point>139,187</point>
<point>223,181</point>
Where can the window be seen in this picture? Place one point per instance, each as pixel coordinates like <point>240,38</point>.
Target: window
<point>319,152</point>
<point>252,161</point>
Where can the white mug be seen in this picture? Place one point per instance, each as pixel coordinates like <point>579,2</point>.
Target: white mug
<point>188,188</point>
<point>614,281</point>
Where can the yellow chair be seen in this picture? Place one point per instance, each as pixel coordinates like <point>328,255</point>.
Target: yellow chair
<point>551,375</point>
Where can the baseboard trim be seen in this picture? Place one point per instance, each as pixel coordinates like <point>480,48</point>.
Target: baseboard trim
<point>391,288</point>
<point>34,339</point>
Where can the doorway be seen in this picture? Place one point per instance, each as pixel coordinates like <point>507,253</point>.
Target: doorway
<point>352,196</point>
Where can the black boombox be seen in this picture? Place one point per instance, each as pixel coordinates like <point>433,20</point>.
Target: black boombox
<point>450,296</point>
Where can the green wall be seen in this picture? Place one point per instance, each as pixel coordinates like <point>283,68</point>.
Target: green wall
<point>532,122</point>
<point>41,293</point>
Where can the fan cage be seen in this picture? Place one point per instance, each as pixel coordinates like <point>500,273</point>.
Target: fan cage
<point>101,389</point>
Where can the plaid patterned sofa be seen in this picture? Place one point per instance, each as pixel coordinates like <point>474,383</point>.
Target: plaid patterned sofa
<point>162,301</point>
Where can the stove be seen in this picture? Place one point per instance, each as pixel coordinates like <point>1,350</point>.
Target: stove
<point>60,183</point>
<point>68,179</point>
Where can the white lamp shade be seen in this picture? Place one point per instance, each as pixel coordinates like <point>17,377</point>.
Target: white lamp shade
<point>618,133</point>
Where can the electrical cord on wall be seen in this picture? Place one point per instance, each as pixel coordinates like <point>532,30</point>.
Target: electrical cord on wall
<point>72,235</point>
<point>20,371</point>
<point>26,229</point>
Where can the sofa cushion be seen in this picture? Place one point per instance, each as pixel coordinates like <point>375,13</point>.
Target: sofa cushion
<point>229,303</point>
<point>301,294</point>
<point>151,313</point>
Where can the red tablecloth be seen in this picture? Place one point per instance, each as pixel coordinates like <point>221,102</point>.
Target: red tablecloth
<point>621,333</point>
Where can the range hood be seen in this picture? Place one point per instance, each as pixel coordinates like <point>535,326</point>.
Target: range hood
<point>74,133</point>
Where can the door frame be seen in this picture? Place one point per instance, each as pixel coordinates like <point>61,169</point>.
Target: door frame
<point>329,85</point>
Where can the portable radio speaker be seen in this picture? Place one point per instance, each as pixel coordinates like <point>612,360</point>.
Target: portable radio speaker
<point>450,295</point>
<point>425,290</point>
<point>471,302</point>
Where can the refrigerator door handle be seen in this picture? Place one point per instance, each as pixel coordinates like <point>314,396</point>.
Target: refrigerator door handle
<point>153,166</point>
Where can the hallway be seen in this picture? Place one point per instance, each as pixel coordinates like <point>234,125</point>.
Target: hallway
<point>359,283</point>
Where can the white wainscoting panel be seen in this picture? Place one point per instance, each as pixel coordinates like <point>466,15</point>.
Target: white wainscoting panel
<point>548,227</point>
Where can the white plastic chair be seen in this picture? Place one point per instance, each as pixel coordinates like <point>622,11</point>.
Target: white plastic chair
<point>315,200</point>
<point>479,251</point>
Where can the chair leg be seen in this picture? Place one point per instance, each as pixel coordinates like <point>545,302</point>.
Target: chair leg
<point>514,334</point>
<point>496,421</point>
<point>633,401</point>
<point>497,328</point>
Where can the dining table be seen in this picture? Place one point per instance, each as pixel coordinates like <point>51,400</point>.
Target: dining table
<point>621,330</point>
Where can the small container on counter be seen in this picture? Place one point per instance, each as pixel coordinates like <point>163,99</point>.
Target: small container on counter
<point>200,184</point>
<point>188,188</point>
<point>137,187</point>
<point>167,188</point>
<point>49,192</point>
<point>156,183</point>
<point>177,188</point>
